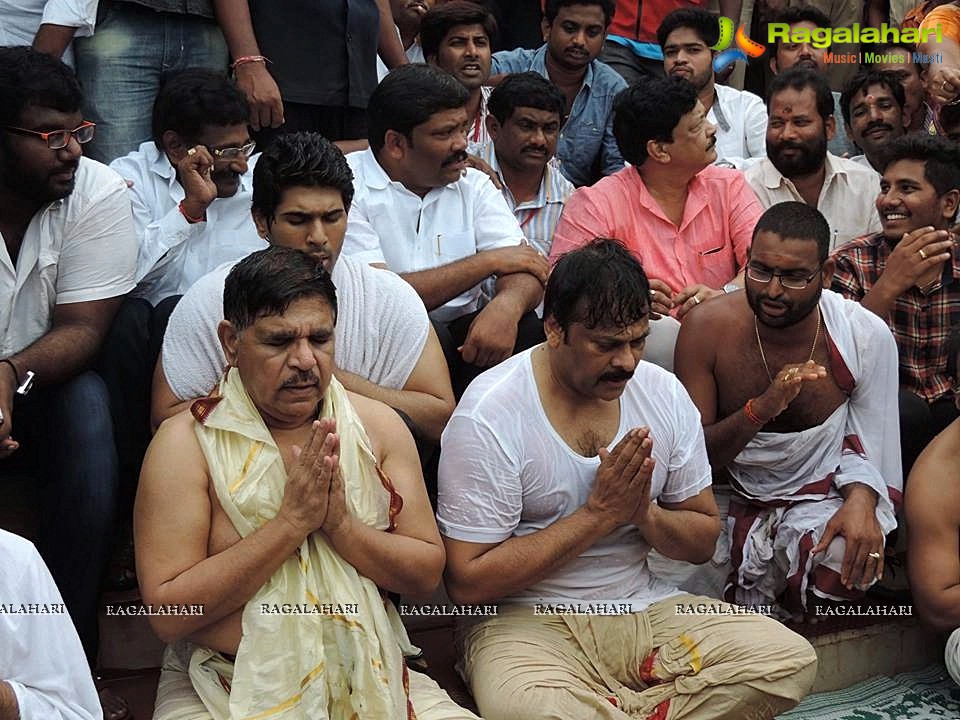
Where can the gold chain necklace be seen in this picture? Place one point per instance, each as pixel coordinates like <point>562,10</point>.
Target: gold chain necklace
<point>763,357</point>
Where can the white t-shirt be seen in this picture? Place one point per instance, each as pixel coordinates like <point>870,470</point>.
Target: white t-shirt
<point>76,249</point>
<point>381,329</point>
<point>389,224</point>
<point>22,18</point>
<point>40,653</point>
<point>504,472</point>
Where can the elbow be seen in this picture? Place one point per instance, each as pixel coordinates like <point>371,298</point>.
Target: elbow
<point>439,417</point>
<point>708,547</point>
<point>463,591</point>
<point>167,631</point>
<point>426,577</point>
<point>937,616</point>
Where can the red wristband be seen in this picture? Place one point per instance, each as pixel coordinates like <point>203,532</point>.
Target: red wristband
<point>243,60</point>
<point>191,220</point>
<point>751,415</point>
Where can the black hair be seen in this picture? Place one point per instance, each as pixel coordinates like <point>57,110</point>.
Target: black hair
<point>949,117</point>
<point>862,81</point>
<point>798,78</point>
<point>408,96</point>
<point>552,8</point>
<point>599,284</point>
<point>883,47</point>
<point>798,14</point>
<point>31,78</point>
<point>303,159</point>
<point>796,221</point>
<point>266,282</point>
<point>526,89</point>
<point>440,20</point>
<point>940,157</point>
<point>650,109</point>
<point>196,98</point>
<point>703,23</point>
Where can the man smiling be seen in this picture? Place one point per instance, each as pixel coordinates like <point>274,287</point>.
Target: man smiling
<point>873,111</point>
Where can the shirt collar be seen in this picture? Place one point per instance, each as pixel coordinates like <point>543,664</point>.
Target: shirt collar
<point>717,108</point>
<point>539,64</point>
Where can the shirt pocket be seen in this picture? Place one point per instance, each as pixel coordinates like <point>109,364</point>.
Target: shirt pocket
<point>47,271</point>
<point>714,263</point>
<point>449,247</point>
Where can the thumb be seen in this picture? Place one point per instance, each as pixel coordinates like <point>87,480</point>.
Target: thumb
<point>829,533</point>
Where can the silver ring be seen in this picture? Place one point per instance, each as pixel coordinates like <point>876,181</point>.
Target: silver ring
<point>696,299</point>
<point>192,151</point>
<point>874,555</point>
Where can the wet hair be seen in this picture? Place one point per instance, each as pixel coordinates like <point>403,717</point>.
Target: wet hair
<point>798,14</point>
<point>196,98</point>
<point>303,159</point>
<point>703,23</point>
<point>441,19</point>
<point>599,285</point>
<point>526,89</point>
<point>796,221</point>
<point>30,78</point>
<point>267,282</point>
<point>800,79</point>
<point>862,81</point>
<point>408,96</point>
<point>940,157</point>
<point>552,8</point>
<point>650,109</point>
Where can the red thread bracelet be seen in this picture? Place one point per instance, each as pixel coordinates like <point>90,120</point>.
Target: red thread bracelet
<point>188,218</point>
<point>243,60</point>
<point>751,415</point>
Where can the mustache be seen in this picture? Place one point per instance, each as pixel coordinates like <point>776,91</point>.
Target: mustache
<point>457,157</point>
<point>616,376</point>
<point>535,148</point>
<point>304,377</point>
<point>878,124</point>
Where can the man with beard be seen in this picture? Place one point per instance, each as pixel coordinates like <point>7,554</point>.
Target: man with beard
<point>796,388</point>
<point>873,112</point>
<point>686,36</point>
<point>444,227</point>
<point>573,31</point>
<point>557,520</point>
<point>897,59</point>
<point>191,184</point>
<point>67,259</point>
<point>457,38</point>
<point>798,165</point>
<point>909,275</point>
<point>788,54</point>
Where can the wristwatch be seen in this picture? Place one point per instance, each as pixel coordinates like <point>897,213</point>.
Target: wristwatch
<point>22,387</point>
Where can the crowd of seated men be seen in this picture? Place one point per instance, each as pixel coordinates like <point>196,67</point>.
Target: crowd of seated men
<point>542,332</point>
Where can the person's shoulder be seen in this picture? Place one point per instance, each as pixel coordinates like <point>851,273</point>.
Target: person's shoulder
<point>722,176</point>
<point>497,388</point>
<point>209,286</point>
<point>517,56</point>
<point>857,172</point>
<point>859,245</point>
<point>380,421</point>
<point>136,161</point>
<point>863,321</point>
<point>762,172</point>
<point>935,474</point>
<point>93,180</point>
<point>607,76</point>
<point>16,551</point>
<point>374,283</point>
<point>715,316</point>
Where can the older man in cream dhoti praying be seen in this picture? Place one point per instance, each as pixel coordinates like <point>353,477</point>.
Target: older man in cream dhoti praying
<point>284,492</point>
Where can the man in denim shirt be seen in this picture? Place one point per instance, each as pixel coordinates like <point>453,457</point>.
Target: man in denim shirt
<point>574,32</point>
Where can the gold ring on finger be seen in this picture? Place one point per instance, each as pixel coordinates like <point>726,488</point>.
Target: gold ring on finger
<point>874,555</point>
<point>923,255</point>
<point>192,151</point>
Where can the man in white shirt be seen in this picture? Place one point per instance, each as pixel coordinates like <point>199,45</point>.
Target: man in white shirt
<point>444,227</point>
<point>799,167</point>
<point>386,349</point>
<point>42,668</point>
<point>553,517</point>
<point>686,36</point>
<point>68,257</point>
<point>48,25</point>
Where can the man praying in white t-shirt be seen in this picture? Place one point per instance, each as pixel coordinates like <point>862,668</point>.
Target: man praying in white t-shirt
<point>560,470</point>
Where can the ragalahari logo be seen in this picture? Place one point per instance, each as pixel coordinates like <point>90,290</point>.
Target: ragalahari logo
<point>727,55</point>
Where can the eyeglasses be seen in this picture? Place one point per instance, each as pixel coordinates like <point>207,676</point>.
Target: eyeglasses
<point>59,139</point>
<point>791,280</point>
<point>232,153</point>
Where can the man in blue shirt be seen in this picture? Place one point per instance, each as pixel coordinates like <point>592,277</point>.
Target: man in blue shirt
<point>574,31</point>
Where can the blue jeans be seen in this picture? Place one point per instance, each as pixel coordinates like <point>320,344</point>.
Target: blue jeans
<point>123,65</point>
<point>66,443</point>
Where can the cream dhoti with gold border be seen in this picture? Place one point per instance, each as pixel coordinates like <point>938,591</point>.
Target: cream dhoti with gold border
<point>326,665</point>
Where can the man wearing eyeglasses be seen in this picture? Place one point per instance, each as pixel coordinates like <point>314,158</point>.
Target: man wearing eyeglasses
<point>797,392</point>
<point>68,257</point>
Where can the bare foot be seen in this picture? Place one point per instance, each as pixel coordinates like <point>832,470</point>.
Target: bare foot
<point>114,706</point>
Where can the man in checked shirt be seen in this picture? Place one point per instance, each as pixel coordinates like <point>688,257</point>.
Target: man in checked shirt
<point>909,275</point>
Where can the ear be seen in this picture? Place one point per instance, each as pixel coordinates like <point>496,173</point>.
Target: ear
<point>545,28</point>
<point>493,126</point>
<point>263,225</point>
<point>773,65</point>
<point>830,124</point>
<point>553,331</point>
<point>658,151</point>
<point>949,202</point>
<point>173,145</point>
<point>826,273</point>
<point>905,117</point>
<point>395,144</point>
<point>229,340</point>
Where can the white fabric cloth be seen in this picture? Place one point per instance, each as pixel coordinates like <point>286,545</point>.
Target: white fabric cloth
<point>741,121</point>
<point>382,328</point>
<point>20,20</point>
<point>173,253</point>
<point>414,54</point>
<point>952,655</point>
<point>858,443</point>
<point>40,653</point>
<point>77,249</point>
<point>504,472</point>
<point>847,198</point>
<point>389,224</point>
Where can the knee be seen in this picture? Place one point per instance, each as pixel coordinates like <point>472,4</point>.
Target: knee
<point>530,702</point>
